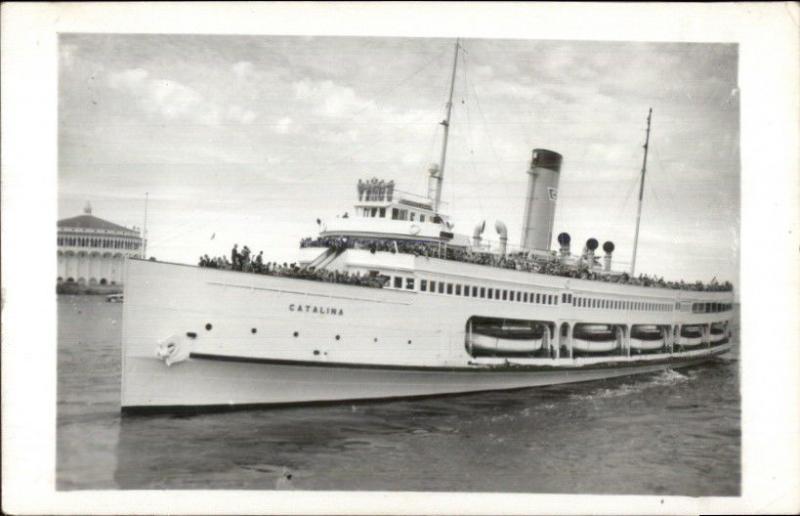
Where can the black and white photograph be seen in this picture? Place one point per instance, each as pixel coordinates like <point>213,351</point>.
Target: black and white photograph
<point>313,262</point>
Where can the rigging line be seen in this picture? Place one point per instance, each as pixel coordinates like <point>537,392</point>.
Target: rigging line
<point>470,142</point>
<point>365,144</point>
<point>402,81</point>
<point>486,128</point>
<point>668,184</point>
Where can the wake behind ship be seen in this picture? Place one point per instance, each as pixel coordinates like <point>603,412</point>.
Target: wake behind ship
<point>391,303</point>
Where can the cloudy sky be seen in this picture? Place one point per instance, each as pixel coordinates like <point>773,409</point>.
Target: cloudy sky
<point>250,139</point>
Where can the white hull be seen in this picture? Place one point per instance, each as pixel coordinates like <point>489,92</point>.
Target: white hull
<point>200,382</point>
<point>247,339</point>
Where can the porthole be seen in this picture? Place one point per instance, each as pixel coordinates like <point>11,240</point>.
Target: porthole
<point>253,330</point>
<point>375,339</point>
<point>338,337</point>
<point>296,334</point>
<point>409,341</point>
<point>316,352</point>
<point>208,326</point>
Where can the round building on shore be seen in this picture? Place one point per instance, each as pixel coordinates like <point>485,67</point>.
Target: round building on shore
<point>92,251</point>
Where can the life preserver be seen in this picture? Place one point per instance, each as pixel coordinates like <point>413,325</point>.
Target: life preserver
<point>414,229</point>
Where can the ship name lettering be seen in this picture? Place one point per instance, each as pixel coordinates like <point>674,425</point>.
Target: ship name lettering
<point>322,310</point>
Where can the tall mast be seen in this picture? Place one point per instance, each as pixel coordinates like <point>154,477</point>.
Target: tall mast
<point>144,230</point>
<point>641,194</point>
<point>446,123</point>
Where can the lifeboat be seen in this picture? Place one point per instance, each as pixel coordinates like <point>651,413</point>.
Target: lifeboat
<point>486,344</point>
<point>691,335</point>
<point>646,337</point>
<point>505,336</point>
<point>594,338</point>
<point>718,333</point>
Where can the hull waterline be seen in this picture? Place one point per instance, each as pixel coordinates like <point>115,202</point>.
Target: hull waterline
<point>213,382</point>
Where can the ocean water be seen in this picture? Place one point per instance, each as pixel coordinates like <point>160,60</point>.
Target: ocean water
<point>672,433</point>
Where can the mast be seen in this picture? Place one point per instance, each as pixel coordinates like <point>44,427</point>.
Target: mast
<point>641,194</point>
<point>446,123</point>
<point>144,230</point>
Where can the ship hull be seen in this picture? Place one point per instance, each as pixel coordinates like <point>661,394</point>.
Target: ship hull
<point>208,382</point>
<point>206,338</point>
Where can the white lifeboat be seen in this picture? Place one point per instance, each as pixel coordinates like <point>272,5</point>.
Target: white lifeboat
<point>496,336</point>
<point>483,344</point>
<point>718,333</point>
<point>646,337</point>
<point>594,338</point>
<point>691,335</point>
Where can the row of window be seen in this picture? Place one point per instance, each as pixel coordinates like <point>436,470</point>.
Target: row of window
<point>618,304</point>
<point>708,308</point>
<point>397,214</point>
<point>107,243</point>
<point>457,289</point>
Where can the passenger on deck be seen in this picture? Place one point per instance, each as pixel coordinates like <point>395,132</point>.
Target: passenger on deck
<point>235,256</point>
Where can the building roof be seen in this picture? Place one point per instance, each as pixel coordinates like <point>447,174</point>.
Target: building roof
<point>87,221</point>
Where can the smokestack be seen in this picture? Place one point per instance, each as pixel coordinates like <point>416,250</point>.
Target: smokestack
<point>588,251</point>
<point>540,202</point>
<point>476,234</point>
<point>434,181</point>
<point>563,241</point>
<point>608,247</point>
<point>503,232</point>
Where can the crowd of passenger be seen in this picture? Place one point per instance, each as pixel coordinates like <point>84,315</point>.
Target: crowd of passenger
<point>246,261</point>
<point>522,261</point>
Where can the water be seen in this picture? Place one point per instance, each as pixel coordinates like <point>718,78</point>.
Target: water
<point>673,433</point>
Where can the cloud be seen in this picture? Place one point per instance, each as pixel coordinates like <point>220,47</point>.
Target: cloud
<point>329,98</point>
<point>67,54</point>
<point>241,115</point>
<point>243,69</point>
<point>283,126</point>
<point>130,79</point>
<point>173,100</point>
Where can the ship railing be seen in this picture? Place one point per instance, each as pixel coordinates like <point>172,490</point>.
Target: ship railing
<point>547,263</point>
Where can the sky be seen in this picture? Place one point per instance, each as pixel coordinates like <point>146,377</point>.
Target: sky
<point>250,139</point>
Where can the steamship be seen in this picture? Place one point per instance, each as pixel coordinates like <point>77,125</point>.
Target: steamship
<point>205,337</point>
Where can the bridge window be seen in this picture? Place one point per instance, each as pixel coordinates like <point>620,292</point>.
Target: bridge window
<point>395,214</point>
<point>382,213</point>
<point>422,218</point>
<point>483,291</point>
<point>505,295</point>
<point>466,290</point>
<point>491,293</point>
<point>519,296</point>
<point>398,282</point>
<point>441,287</point>
<point>433,286</point>
<point>450,288</point>
<point>409,283</point>
<point>458,289</point>
<point>423,285</point>
<point>474,291</point>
